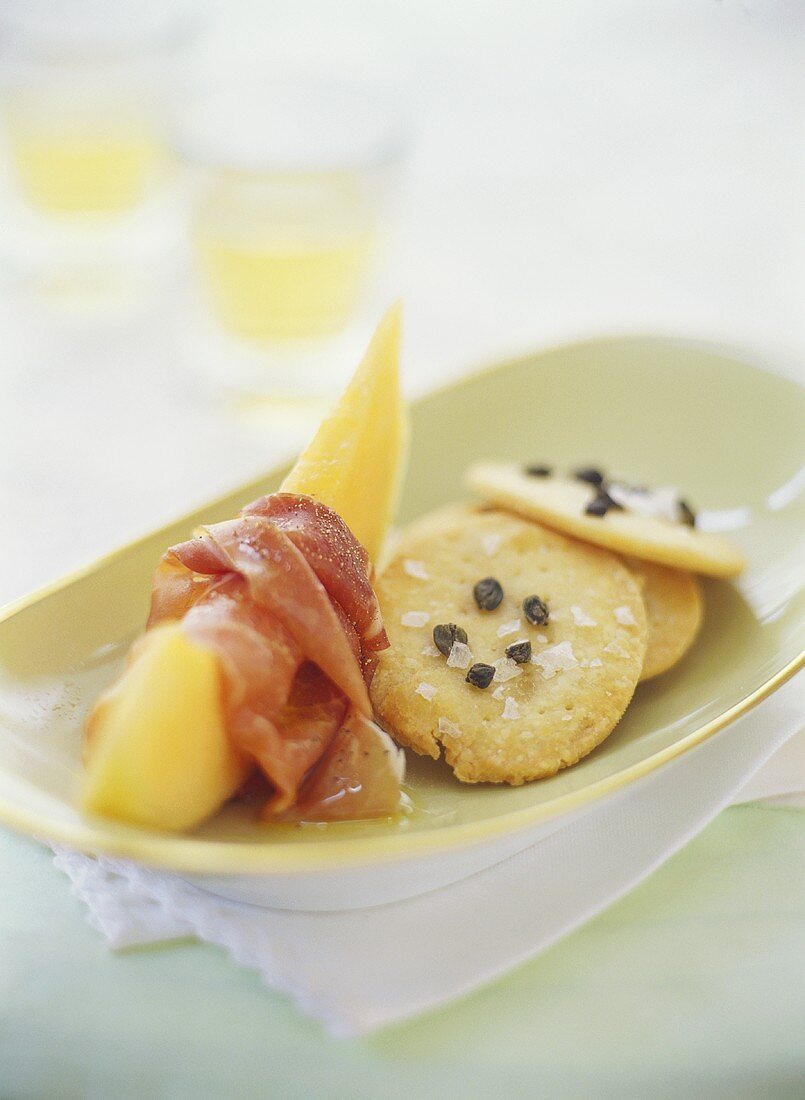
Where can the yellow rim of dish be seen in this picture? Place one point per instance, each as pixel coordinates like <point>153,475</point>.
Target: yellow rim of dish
<point>191,854</point>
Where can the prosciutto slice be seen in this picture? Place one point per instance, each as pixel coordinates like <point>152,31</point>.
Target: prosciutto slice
<point>283,595</point>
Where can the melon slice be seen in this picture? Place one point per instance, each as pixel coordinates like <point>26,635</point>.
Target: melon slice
<point>354,464</point>
<point>157,751</point>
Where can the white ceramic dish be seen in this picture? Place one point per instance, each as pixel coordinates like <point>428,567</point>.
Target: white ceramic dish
<point>655,410</point>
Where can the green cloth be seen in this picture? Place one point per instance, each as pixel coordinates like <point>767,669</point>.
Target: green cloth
<point>692,986</point>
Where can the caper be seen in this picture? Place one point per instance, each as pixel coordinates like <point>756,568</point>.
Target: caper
<point>536,610</point>
<point>590,475</point>
<point>601,504</point>
<point>445,634</point>
<point>519,652</point>
<point>488,593</point>
<point>481,675</point>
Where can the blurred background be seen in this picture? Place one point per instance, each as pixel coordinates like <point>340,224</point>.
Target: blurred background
<point>204,207</point>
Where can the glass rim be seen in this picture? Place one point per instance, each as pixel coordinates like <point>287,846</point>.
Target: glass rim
<point>382,145</point>
<point>23,45</point>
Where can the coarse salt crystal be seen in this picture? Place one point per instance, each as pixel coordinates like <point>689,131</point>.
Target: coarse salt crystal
<point>567,717</point>
<point>490,544</point>
<point>506,669</point>
<point>596,662</point>
<point>460,655</point>
<point>581,618</point>
<point>624,616</point>
<point>427,691</point>
<point>616,648</point>
<point>499,692</point>
<point>509,628</point>
<point>660,503</point>
<point>448,727</point>
<point>541,638</point>
<point>414,618</point>
<point>511,709</point>
<point>430,650</point>
<point>557,658</point>
<point>416,569</point>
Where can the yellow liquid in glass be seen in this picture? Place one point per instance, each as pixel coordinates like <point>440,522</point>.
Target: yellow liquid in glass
<point>269,290</point>
<point>285,259</point>
<point>83,171</point>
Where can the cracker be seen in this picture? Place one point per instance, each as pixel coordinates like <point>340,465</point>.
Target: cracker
<point>560,503</point>
<point>534,718</point>
<point>674,609</point>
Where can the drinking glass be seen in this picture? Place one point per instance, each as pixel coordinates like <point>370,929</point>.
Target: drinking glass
<point>293,187</point>
<point>88,174</point>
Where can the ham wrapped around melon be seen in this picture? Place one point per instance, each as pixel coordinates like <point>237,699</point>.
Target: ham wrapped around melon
<point>283,596</point>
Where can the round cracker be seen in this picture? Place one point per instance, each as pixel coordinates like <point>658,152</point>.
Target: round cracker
<point>424,702</point>
<point>560,503</point>
<point>674,609</point>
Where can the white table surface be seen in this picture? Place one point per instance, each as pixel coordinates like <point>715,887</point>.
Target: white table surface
<point>579,168</point>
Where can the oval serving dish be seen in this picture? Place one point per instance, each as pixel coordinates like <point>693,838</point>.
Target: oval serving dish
<point>657,411</point>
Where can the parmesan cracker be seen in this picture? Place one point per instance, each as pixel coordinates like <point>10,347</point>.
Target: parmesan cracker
<point>557,707</point>
<point>674,609</point>
<point>560,503</point>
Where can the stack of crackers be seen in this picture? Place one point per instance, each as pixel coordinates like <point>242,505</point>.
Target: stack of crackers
<point>513,696</point>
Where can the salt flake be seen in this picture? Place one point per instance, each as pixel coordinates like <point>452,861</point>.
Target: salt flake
<point>499,692</point>
<point>427,691</point>
<point>595,663</point>
<point>511,709</point>
<point>616,648</point>
<point>543,638</point>
<point>449,728</point>
<point>624,616</point>
<point>506,669</point>
<point>430,650</point>
<point>416,569</point>
<point>490,544</point>
<point>581,618</point>
<point>460,655</point>
<point>660,503</point>
<point>508,628</point>
<point>414,618</point>
<point>557,658</point>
